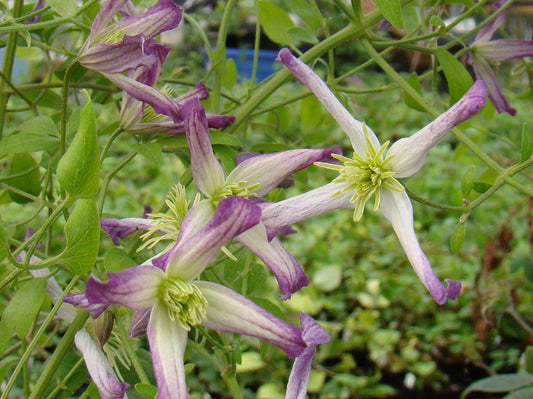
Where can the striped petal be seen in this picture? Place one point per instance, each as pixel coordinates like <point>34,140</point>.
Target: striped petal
<point>228,311</point>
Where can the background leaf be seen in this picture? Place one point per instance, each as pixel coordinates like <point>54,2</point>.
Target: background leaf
<point>275,22</point>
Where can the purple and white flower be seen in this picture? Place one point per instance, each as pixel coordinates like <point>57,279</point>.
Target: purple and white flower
<point>373,171</point>
<point>251,178</point>
<point>485,51</point>
<point>165,288</point>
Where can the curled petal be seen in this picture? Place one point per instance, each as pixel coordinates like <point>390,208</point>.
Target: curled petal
<point>484,72</point>
<point>281,263</point>
<point>104,16</point>
<point>409,153</point>
<point>276,216</point>
<point>189,257</point>
<point>351,126</point>
<point>486,32</point>
<point>504,49</point>
<point>167,341</point>
<point>397,208</point>
<point>207,172</point>
<point>270,170</point>
<point>228,311</point>
<point>99,368</point>
<point>80,299</point>
<point>135,288</point>
<point>120,228</point>
<point>313,334</point>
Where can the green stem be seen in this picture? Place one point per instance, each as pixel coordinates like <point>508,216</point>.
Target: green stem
<point>56,85</point>
<point>221,55</point>
<point>57,357</point>
<point>26,355</point>
<point>125,341</point>
<point>7,67</point>
<point>9,278</point>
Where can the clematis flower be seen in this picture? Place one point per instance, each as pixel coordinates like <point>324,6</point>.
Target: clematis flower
<point>166,289</point>
<point>485,51</point>
<point>252,178</point>
<point>373,171</point>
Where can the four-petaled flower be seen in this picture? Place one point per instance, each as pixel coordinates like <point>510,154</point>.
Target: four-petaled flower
<point>373,171</point>
<point>165,288</point>
<point>484,50</point>
<point>252,178</point>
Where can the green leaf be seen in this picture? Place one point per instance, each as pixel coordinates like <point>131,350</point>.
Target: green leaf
<point>65,8</point>
<point>480,186</point>
<point>457,238</point>
<point>275,22</point>
<point>83,237</point>
<point>309,15</point>
<point>467,181</point>
<point>146,391</point>
<point>414,82</point>
<point>229,77</point>
<point>22,310</point>
<point>458,78</point>
<point>37,134</point>
<point>499,383</point>
<point>5,233</point>
<point>115,260</point>
<point>151,151</point>
<point>436,21</point>
<point>78,169</point>
<point>328,278</point>
<point>310,114</point>
<point>392,10</point>
<point>301,34</point>
<point>28,182</point>
<point>527,143</point>
<point>526,393</point>
<point>529,359</point>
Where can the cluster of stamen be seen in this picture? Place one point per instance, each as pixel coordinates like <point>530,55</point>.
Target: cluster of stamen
<point>365,175</point>
<point>149,114</point>
<point>169,223</point>
<point>240,189</point>
<point>184,301</point>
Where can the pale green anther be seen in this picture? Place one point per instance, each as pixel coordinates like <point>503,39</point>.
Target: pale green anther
<point>149,115</point>
<point>113,36</point>
<point>168,224</point>
<point>365,175</point>
<point>240,189</point>
<point>184,301</point>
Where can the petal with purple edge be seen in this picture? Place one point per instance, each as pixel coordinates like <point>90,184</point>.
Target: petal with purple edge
<point>135,288</point>
<point>397,208</point>
<point>281,263</point>
<point>139,322</point>
<point>120,228</point>
<point>104,16</point>
<point>504,49</point>
<point>270,170</point>
<point>408,154</point>
<point>206,170</point>
<point>228,311</point>
<point>79,299</point>
<point>276,216</point>
<point>486,32</point>
<point>484,72</point>
<point>313,334</point>
<point>167,340</point>
<point>351,126</point>
<point>99,368</point>
<point>188,258</point>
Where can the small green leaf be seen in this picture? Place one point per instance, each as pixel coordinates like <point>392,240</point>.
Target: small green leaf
<point>115,260</point>
<point>414,82</point>
<point>499,383</point>
<point>275,22</point>
<point>151,151</point>
<point>309,15</point>
<point>529,359</point>
<point>65,8</point>
<point>229,77</point>
<point>480,186</point>
<point>301,34</point>
<point>78,169</point>
<point>392,10</point>
<point>22,310</point>
<point>467,181</point>
<point>527,143</point>
<point>37,134</point>
<point>146,391</point>
<point>83,237</point>
<point>457,238</point>
<point>526,393</point>
<point>458,78</point>
<point>436,21</point>
<point>5,234</point>
<point>29,179</point>
<point>328,278</point>
<point>250,361</point>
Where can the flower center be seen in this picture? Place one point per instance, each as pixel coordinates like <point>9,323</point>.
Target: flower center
<point>184,301</point>
<point>240,189</point>
<point>169,223</point>
<point>365,175</point>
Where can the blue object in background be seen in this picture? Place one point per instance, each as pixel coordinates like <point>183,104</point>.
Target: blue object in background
<point>20,67</point>
<point>244,61</point>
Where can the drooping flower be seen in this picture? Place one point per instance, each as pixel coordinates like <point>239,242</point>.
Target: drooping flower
<point>373,171</point>
<point>485,51</point>
<point>252,178</point>
<point>166,289</point>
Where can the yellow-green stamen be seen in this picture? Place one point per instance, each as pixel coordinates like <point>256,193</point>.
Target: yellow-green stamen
<point>185,302</point>
<point>365,175</point>
<point>240,189</point>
